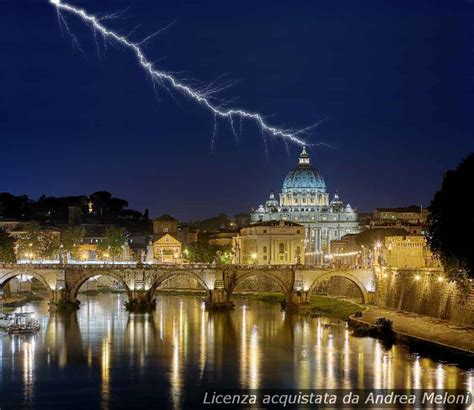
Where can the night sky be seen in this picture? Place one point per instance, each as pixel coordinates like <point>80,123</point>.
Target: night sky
<point>393,78</point>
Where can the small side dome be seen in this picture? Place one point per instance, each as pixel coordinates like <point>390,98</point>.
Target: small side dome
<point>336,201</point>
<point>272,201</point>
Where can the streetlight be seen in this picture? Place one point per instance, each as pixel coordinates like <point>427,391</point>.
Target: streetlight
<point>186,254</point>
<point>254,257</point>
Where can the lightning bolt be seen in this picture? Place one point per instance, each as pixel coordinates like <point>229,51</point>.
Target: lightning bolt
<point>169,81</point>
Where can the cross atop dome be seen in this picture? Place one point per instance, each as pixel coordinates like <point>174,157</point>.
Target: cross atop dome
<point>304,157</point>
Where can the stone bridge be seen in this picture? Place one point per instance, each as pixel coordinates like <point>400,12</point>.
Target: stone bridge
<point>140,281</point>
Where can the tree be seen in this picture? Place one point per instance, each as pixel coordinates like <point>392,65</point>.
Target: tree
<point>116,205</point>
<point>49,245</point>
<point>449,233</point>
<point>7,248</point>
<point>100,200</point>
<point>15,207</point>
<point>37,243</point>
<point>71,238</point>
<point>113,242</point>
<point>28,242</point>
<point>203,252</point>
<point>370,237</point>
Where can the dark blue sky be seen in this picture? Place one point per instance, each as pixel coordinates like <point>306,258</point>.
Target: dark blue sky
<point>394,78</point>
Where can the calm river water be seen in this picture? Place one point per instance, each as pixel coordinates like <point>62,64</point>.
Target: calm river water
<point>103,357</point>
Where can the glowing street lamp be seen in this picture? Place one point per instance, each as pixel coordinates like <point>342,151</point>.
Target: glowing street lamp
<point>254,257</point>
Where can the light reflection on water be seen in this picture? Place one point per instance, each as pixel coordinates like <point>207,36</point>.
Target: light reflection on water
<point>104,357</point>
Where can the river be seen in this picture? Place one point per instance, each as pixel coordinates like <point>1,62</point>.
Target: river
<point>103,357</point>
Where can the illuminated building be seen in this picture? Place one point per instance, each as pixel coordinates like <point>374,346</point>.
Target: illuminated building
<point>166,248</point>
<point>272,242</point>
<point>411,214</point>
<point>304,200</point>
<point>408,252</point>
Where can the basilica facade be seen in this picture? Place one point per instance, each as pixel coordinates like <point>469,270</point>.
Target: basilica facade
<point>304,200</point>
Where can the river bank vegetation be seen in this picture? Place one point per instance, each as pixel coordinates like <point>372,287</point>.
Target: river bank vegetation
<point>319,305</point>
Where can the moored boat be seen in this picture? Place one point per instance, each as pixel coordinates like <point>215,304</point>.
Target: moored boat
<point>5,320</point>
<point>23,323</point>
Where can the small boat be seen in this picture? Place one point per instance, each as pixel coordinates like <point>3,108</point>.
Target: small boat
<point>5,320</point>
<point>23,323</point>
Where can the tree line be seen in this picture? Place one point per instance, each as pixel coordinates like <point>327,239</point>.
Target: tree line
<point>37,243</point>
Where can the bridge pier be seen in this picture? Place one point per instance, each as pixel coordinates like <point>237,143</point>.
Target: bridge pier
<point>61,301</point>
<point>141,301</point>
<point>218,300</point>
<point>297,300</point>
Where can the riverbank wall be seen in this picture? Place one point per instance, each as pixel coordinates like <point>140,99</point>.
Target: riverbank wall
<point>425,344</point>
<point>425,292</point>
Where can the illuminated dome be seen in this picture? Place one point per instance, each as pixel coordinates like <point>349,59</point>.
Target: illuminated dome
<point>304,178</point>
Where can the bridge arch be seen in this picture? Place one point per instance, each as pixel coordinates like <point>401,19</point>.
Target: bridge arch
<point>7,276</point>
<point>328,275</point>
<point>232,280</point>
<point>76,286</point>
<point>172,274</point>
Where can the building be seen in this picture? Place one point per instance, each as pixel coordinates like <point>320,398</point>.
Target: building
<point>140,246</point>
<point>346,252</point>
<point>89,246</point>
<point>187,235</point>
<point>410,218</point>
<point>167,249</point>
<point>223,238</point>
<point>10,225</point>
<point>271,242</point>
<point>165,224</point>
<point>241,220</point>
<point>304,200</point>
<point>408,252</point>
<point>409,214</point>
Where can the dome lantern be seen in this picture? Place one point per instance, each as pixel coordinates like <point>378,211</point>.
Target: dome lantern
<point>304,157</point>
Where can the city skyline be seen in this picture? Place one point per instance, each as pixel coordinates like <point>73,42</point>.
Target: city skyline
<point>97,120</point>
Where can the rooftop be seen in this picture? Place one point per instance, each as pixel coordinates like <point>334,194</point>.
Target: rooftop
<point>410,208</point>
<point>277,223</point>
<point>166,217</point>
